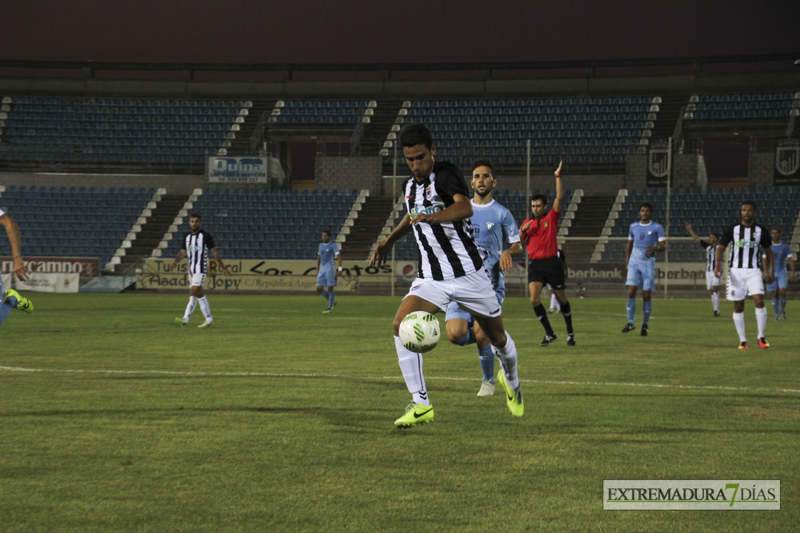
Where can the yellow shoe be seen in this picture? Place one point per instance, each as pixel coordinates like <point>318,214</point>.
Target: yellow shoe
<point>181,321</point>
<point>415,415</point>
<point>513,397</point>
<point>23,304</point>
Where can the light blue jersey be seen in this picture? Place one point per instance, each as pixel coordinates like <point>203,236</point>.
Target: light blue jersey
<point>780,253</point>
<point>641,266</point>
<point>326,277</point>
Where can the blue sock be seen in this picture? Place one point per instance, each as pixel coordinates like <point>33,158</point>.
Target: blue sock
<point>469,338</point>
<point>631,309</point>
<point>324,294</point>
<point>647,305</point>
<point>487,362</point>
<point>775,306</point>
<point>331,300</point>
<point>6,307</point>
<point>783,304</point>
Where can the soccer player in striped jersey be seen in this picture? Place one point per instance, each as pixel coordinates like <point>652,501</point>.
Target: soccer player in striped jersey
<point>712,281</point>
<point>11,298</point>
<point>493,226</point>
<point>644,240</point>
<point>781,254</point>
<point>326,275</point>
<point>744,269</point>
<point>196,247</point>
<point>450,269</point>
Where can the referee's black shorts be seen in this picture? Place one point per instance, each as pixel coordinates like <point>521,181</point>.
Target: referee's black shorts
<point>549,271</point>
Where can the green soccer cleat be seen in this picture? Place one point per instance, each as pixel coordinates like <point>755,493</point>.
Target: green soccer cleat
<point>513,397</point>
<point>181,321</point>
<point>23,304</point>
<point>415,415</point>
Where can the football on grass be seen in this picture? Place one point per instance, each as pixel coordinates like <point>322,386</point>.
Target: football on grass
<point>419,332</point>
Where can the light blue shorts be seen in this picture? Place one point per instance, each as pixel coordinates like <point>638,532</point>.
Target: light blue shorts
<point>326,278</point>
<point>454,311</point>
<point>642,275</point>
<point>781,281</point>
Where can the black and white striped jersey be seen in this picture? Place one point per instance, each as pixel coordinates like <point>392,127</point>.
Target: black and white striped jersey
<point>446,250</point>
<point>745,243</point>
<point>197,246</point>
<point>711,256</point>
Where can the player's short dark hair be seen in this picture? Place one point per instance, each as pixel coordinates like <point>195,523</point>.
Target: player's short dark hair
<point>326,231</point>
<point>647,205</point>
<point>483,162</point>
<point>542,197</point>
<point>196,215</point>
<point>717,235</point>
<point>775,228</point>
<point>415,134</point>
<point>750,202</point>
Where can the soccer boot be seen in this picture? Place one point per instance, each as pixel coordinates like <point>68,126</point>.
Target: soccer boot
<point>513,397</point>
<point>571,339</point>
<point>487,389</point>
<point>548,339</point>
<point>628,327</point>
<point>327,311</point>
<point>206,324</point>
<point>762,342</point>
<point>783,316</point>
<point>23,304</point>
<point>743,345</point>
<point>716,313</point>
<point>644,330</point>
<point>778,317</point>
<point>181,321</point>
<point>415,415</point>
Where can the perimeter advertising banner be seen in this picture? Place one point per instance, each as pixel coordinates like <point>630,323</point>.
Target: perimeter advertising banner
<point>86,267</point>
<point>267,275</point>
<point>237,169</point>
<point>38,282</point>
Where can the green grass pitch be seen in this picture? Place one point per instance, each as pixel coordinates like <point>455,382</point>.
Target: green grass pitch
<point>280,418</point>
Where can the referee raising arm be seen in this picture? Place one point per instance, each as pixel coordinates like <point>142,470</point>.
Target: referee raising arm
<point>539,233</point>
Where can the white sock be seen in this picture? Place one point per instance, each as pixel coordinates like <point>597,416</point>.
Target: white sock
<point>761,320</point>
<point>508,360</point>
<point>205,309</point>
<point>411,367</point>
<point>715,300</point>
<point>738,320</point>
<point>190,307</point>
<point>553,302</point>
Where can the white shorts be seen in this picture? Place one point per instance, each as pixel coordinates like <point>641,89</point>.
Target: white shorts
<point>196,280</point>
<point>711,280</point>
<point>743,282</point>
<point>473,293</point>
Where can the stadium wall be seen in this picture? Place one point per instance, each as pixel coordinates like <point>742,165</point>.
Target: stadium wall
<point>353,172</point>
<point>761,169</point>
<point>689,171</point>
<point>180,184</point>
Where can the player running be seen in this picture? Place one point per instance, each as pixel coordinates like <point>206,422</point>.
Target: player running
<point>744,269</point>
<point>326,275</point>
<point>450,269</point>
<point>712,281</point>
<point>540,234</point>
<point>11,298</point>
<point>781,253</point>
<point>196,245</point>
<point>493,226</point>
<point>645,238</point>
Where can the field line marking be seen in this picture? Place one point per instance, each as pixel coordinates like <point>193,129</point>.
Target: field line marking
<point>440,378</point>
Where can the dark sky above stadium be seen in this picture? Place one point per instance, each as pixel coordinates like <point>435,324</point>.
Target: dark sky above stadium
<point>369,31</point>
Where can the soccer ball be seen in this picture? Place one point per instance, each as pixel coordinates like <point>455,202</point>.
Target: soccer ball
<point>419,332</point>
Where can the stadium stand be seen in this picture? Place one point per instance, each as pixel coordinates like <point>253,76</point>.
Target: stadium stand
<point>267,224</point>
<point>747,106</point>
<point>117,131</point>
<point>341,112</point>
<point>710,210</point>
<point>74,222</point>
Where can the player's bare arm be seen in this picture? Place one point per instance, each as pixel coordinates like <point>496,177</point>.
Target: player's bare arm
<point>383,248</point>
<point>506,261</point>
<point>694,235</point>
<point>770,265</point>
<point>12,229</point>
<point>660,247</point>
<point>181,255</point>
<point>221,265</point>
<point>628,250</point>
<point>791,265</point>
<point>461,209</point>
<point>557,203</point>
<point>720,253</point>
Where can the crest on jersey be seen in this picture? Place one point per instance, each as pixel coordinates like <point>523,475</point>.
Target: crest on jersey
<point>787,157</point>
<point>657,160</point>
<point>545,224</point>
<point>489,225</point>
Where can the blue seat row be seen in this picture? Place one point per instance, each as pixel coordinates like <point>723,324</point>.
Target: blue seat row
<point>138,102</point>
<point>588,101</point>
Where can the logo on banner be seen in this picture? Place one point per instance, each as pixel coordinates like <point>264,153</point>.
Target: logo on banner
<point>787,157</point>
<point>658,160</point>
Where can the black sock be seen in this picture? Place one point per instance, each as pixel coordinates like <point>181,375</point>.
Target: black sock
<point>566,311</point>
<point>542,314</point>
